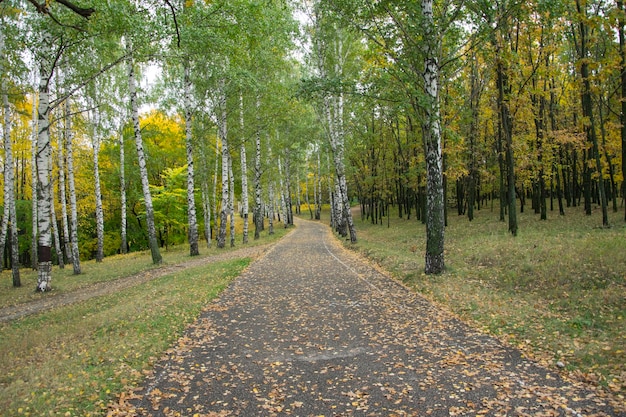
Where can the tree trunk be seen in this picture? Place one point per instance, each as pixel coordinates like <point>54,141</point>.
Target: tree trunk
<point>44,192</point>
<point>206,212</point>
<point>67,131</point>
<point>191,201</point>
<point>223,132</point>
<point>244,174</point>
<point>73,208</point>
<point>215,174</point>
<point>143,170</point>
<point>622,50</point>
<point>589,124</point>
<point>33,183</point>
<point>10,216</point>
<point>435,226</point>
<point>124,244</point>
<point>231,200</point>
<point>258,207</point>
<point>281,192</point>
<point>98,191</point>
<point>55,234</point>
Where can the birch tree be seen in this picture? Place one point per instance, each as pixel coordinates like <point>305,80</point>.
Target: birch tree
<point>123,215</point>
<point>96,143</point>
<point>244,172</point>
<point>10,218</point>
<point>435,220</point>
<point>191,202</point>
<point>141,157</point>
<point>69,152</point>
<point>223,137</point>
<point>44,154</point>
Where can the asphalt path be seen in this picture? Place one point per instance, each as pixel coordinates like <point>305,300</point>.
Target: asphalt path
<point>311,329</point>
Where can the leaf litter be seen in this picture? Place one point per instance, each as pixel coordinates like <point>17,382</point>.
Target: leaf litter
<point>311,329</point>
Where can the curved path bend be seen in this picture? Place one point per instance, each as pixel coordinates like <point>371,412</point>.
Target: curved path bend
<point>310,329</point>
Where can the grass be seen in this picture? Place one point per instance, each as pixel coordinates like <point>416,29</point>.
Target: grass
<point>113,267</point>
<point>557,290</point>
<point>73,360</point>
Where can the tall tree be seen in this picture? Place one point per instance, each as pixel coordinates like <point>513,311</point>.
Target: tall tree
<point>191,202</point>
<point>435,221</point>
<point>10,215</point>
<point>145,184</point>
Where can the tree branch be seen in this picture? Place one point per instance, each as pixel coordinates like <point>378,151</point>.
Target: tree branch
<point>86,81</point>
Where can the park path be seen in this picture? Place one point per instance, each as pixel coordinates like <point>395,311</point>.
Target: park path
<point>311,329</point>
<point>53,300</point>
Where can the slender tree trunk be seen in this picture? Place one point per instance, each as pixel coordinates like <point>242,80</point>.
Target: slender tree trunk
<point>258,205</point>
<point>55,234</point>
<point>33,183</point>
<point>98,190</point>
<point>223,132</point>
<point>67,131</point>
<point>124,244</point>
<point>271,188</point>
<point>231,200</point>
<point>44,192</point>
<point>288,200</point>
<point>191,201</point>
<point>206,211</point>
<point>143,170</point>
<point>318,186</point>
<point>73,208</point>
<point>281,190</point>
<point>215,174</point>
<point>244,174</point>
<point>590,128</point>
<point>10,216</point>
<point>622,50</point>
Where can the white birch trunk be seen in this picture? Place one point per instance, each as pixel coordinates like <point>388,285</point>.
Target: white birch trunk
<point>270,191</point>
<point>67,131</point>
<point>223,132</point>
<point>244,174</point>
<point>215,174</point>
<point>44,192</point>
<point>98,191</point>
<point>231,200</point>
<point>55,234</point>
<point>206,210</point>
<point>124,244</point>
<point>318,186</point>
<point>143,170</point>
<point>258,207</point>
<point>7,172</point>
<point>435,219</point>
<point>33,184</point>
<point>73,209</point>
<point>281,191</point>
<point>10,216</point>
<point>331,197</point>
<point>191,201</point>
<point>306,186</point>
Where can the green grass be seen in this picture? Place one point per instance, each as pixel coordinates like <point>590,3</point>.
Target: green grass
<point>113,267</point>
<point>557,290</point>
<point>74,360</point>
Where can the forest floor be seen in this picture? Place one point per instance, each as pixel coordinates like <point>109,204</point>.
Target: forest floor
<point>313,329</point>
<point>59,299</point>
